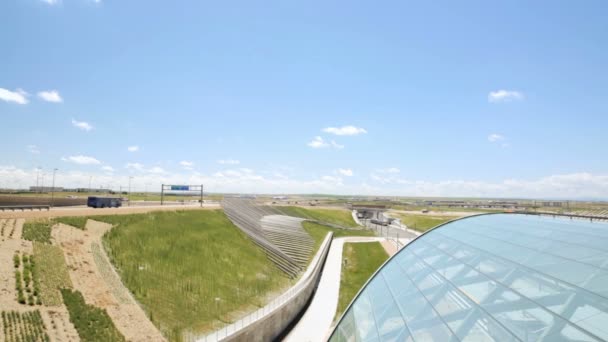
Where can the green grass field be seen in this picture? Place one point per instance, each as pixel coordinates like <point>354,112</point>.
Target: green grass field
<point>318,232</point>
<point>359,262</point>
<point>339,217</point>
<point>422,222</point>
<point>193,271</point>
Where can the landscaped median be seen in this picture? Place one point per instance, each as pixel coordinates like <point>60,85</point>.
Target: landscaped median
<point>359,262</point>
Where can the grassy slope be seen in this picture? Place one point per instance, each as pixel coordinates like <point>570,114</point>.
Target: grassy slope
<point>362,260</point>
<point>191,269</point>
<point>335,216</point>
<point>422,222</point>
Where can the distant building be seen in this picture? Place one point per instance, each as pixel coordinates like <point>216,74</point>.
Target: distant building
<point>552,204</point>
<point>87,190</point>
<point>46,189</point>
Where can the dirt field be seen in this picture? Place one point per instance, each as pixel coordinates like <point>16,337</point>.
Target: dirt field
<point>89,269</point>
<point>92,275</point>
<point>85,211</point>
<point>56,319</point>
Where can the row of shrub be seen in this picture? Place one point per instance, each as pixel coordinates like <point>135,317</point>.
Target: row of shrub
<point>91,323</point>
<point>27,286</point>
<point>26,326</point>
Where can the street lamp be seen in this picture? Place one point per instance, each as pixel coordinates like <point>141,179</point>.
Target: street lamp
<point>130,177</point>
<point>53,188</point>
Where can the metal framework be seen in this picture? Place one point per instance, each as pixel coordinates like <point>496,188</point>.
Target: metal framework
<point>180,188</point>
<point>508,278</point>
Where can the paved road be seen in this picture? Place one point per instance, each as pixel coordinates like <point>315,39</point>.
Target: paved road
<point>315,324</point>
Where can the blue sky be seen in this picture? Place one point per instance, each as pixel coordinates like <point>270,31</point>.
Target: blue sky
<point>440,98</point>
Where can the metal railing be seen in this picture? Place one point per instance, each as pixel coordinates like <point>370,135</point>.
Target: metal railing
<point>24,207</point>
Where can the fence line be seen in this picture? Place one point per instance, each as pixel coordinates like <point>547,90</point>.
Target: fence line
<point>265,311</point>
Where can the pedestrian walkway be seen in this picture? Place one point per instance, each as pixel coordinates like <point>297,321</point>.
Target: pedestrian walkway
<point>315,324</point>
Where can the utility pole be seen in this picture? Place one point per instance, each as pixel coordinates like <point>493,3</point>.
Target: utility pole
<point>53,188</point>
<point>130,177</point>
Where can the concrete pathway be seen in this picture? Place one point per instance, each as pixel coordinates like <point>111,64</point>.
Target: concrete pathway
<point>316,322</point>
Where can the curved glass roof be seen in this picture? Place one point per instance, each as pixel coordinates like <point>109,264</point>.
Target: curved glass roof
<point>504,277</point>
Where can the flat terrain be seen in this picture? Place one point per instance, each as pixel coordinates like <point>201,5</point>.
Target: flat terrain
<point>359,262</point>
<point>423,222</point>
<point>318,231</point>
<point>85,211</point>
<point>192,271</point>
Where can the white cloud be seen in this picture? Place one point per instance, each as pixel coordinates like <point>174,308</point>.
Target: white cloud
<point>51,2</point>
<point>318,142</point>
<point>133,148</point>
<point>336,145</point>
<point>107,169</point>
<point>157,169</point>
<point>81,160</point>
<point>134,166</point>
<point>187,165</point>
<point>505,96</point>
<point>85,126</point>
<point>345,130</point>
<point>495,137</point>
<point>33,149</point>
<point>389,170</point>
<point>345,172</point>
<point>228,162</point>
<point>50,96</point>
<point>18,96</point>
<point>573,186</point>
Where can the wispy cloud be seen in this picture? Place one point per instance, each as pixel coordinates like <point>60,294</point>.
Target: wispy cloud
<point>18,96</point>
<point>345,172</point>
<point>50,96</point>
<point>336,145</point>
<point>228,162</point>
<point>392,170</point>
<point>85,126</point>
<point>318,142</point>
<point>157,170</point>
<point>81,160</point>
<point>187,165</point>
<point>134,166</point>
<point>107,168</point>
<point>33,149</point>
<point>133,148</point>
<point>345,130</point>
<point>494,137</point>
<point>51,2</point>
<point>505,96</point>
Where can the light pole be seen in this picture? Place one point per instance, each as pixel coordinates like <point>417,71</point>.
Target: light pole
<point>53,188</point>
<point>38,178</point>
<point>130,177</point>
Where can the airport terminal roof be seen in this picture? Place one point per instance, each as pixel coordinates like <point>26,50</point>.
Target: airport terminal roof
<point>502,277</point>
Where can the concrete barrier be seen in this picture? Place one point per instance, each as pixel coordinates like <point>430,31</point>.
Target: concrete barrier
<point>273,320</point>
